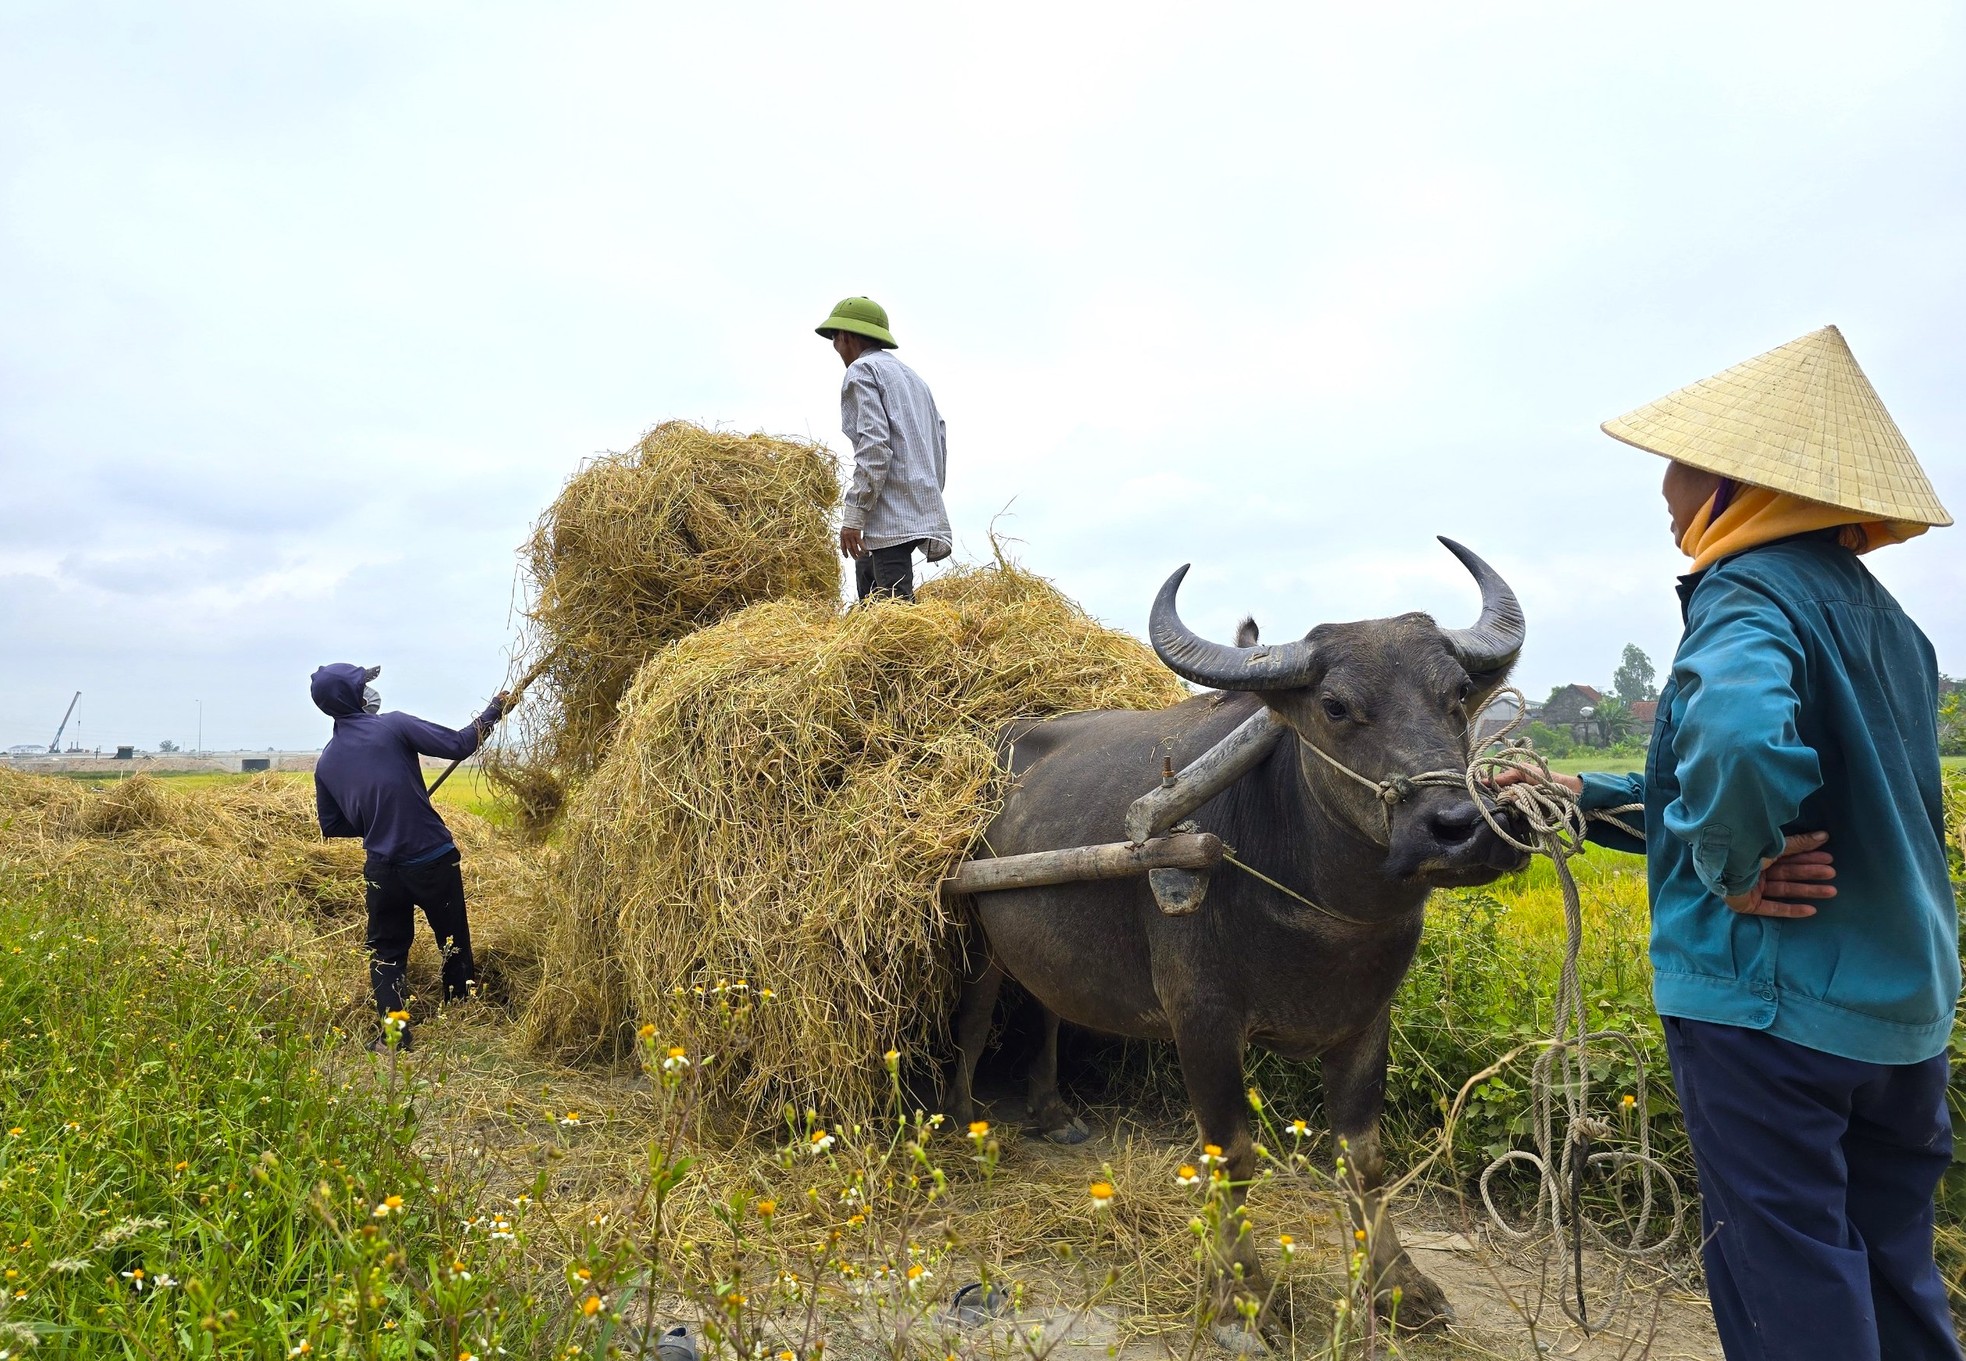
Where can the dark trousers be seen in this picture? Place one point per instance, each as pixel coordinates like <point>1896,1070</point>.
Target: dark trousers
<point>887,571</point>
<point>395,891</point>
<point>1817,1175</point>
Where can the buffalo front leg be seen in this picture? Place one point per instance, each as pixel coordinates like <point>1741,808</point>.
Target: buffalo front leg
<point>1211,1050</point>
<point>973,1012</point>
<point>1354,1094</point>
<point>1053,1118</point>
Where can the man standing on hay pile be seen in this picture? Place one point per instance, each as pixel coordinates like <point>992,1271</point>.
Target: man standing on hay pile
<point>1807,1021</point>
<point>900,456</point>
<point>369,783</point>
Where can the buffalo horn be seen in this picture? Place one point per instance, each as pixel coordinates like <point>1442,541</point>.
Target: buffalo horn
<point>1492,645</point>
<point>1280,666</point>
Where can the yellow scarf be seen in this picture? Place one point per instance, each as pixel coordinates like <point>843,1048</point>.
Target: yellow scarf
<point>1757,515</point>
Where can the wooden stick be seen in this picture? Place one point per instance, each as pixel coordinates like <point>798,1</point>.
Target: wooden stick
<point>1211,773</point>
<point>513,697</point>
<point>1184,850</point>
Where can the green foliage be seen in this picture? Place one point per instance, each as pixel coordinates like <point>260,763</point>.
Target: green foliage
<point>1554,743</point>
<point>1613,720</point>
<point>1483,984</point>
<point>1951,1238</point>
<point>188,1171</point>
<point>1632,682</point>
<point>1952,717</point>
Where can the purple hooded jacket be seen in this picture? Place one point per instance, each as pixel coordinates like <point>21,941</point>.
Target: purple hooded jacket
<point>368,782</point>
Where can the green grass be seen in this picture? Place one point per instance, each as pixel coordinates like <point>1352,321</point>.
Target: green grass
<point>181,1172</point>
<point>191,1167</point>
<point>173,1110</point>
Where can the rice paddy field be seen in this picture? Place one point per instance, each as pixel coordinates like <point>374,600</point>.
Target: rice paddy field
<point>201,1158</point>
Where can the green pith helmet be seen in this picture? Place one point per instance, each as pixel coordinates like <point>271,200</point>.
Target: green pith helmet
<point>863,317</point>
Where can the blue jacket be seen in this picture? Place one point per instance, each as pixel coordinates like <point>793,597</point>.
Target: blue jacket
<point>1802,699</point>
<point>368,782</point>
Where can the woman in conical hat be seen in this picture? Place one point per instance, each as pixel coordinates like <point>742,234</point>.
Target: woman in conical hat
<point>1804,936</point>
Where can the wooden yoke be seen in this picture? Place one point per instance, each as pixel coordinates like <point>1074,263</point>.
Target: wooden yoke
<point>1177,866</point>
<point>1184,850</point>
<point>1214,771</point>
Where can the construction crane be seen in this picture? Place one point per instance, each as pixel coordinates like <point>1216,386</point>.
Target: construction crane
<point>54,747</point>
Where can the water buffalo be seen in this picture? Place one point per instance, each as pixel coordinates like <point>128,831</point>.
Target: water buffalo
<point>1253,965</point>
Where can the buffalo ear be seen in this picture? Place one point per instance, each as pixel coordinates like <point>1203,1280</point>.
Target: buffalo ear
<point>1246,632</point>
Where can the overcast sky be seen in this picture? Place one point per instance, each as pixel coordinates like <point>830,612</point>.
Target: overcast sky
<point>306,312</point>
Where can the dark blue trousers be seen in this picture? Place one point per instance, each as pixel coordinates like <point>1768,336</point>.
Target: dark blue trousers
<point>1817,1176</point>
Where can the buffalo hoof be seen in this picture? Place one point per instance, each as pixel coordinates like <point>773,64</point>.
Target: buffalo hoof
<point>1072,1132</point>
<point>1420,1304</point>
<point>1239,1339</point>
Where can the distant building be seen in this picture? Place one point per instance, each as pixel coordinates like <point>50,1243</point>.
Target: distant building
<point>1573,709</point>
<point>1566,707</point>
<point>1496,718</point>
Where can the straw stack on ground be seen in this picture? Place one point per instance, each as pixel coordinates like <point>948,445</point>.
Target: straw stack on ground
<point>251,852</point>
<point>641,548</point>
<point>784,793</point>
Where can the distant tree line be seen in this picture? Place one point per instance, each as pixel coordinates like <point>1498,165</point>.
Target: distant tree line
<point>1613,727</point>
<point>1610,724</point>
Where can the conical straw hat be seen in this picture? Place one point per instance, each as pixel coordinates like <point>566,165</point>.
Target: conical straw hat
<point>1801,419</point>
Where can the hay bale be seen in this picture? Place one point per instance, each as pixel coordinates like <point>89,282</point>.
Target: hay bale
<point>639,549</point>
<point>784,793</point>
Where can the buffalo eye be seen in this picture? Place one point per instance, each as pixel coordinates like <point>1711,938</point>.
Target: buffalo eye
<point>1461,695</point>
<point>1334,709</point>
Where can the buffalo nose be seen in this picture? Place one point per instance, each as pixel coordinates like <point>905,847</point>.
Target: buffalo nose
<point>1455,824</point>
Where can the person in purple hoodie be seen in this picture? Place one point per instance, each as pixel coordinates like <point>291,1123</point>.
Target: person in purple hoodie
<point>369,783</point>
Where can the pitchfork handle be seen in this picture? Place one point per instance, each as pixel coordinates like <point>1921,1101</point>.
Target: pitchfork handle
<point>512,697</point>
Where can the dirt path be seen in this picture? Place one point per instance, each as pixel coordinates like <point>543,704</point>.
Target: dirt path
<point>1499,1297</point>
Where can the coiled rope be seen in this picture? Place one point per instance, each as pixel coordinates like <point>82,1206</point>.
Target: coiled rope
<point>1554,824</point>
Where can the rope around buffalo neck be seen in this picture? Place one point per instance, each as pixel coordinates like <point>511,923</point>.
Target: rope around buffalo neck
<point>1555,824</point>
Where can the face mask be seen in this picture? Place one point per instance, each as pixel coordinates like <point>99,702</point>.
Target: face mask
<point>371,701</point>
